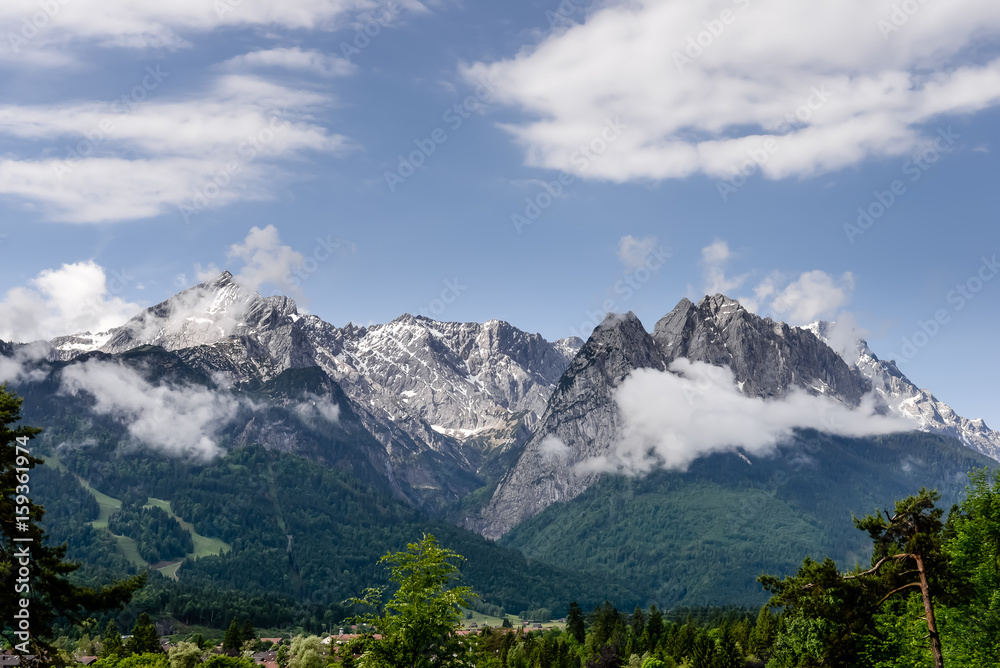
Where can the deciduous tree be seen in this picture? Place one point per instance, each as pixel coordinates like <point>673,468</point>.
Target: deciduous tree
<point>418,623</point>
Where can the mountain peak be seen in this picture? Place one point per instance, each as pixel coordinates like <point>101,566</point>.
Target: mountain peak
<point>767,358</point>
<point>900,396</point>
<point>718,301</point>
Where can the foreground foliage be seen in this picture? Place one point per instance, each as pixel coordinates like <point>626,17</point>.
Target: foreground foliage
<point>930,597</point>
<point>417,626</point>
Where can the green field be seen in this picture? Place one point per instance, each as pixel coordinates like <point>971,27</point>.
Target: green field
<point>482,619</point>
<point>108,506</point>
<point>171,570</point>
<point>203,545</point>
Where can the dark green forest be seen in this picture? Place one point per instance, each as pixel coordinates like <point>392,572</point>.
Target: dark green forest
<point>304,538</point>
<point>703,536</point>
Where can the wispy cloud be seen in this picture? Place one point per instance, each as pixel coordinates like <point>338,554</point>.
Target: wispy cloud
<point>634,253</point>
<point>142,160</point>
<point>140,25</point>
<point>318,408</point>
<point>324,64</point>
<point>180,421</point>
<point>714,259</point>
<point>813,295</point>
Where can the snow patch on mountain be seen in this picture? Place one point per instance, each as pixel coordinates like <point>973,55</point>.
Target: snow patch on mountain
<point>902,397</point>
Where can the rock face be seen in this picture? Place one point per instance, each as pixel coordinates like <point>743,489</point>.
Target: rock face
<point>581,422</point>
<point>768,360</point>
<point>900,396</point>
<point>421,387</point>
<point>456,406</point>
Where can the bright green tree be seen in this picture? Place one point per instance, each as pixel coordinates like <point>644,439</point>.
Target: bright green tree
<point>281,657</point>
<point>418,623</point>
<point>184,655</point>
<point>764,634</point>
<point>32,570</point>
<point>911,537</point>
<point>973,544</point>
<point>307,652</point>
<point>223,661</point>
<point>829,616</point>
<point>134,661</point>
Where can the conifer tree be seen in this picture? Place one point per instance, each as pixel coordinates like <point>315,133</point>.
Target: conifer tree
<point>574,623</point>
<point>233,640</point>
<point>32,570</point>
<point>111,642</point>
<point>145,639</point>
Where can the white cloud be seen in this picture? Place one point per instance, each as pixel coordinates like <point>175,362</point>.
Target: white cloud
<point>552,448</point>
<point>294,59</point>
<point>633,252</point>
<point>155,156</point>
<point>264,260</point>
<point>818,78</point>
<point>670,419</point>
<point>319,407</point>
<point>176,421</point>
<point>814,295</point>
<point>714,258</point>
<point>21,367</point>
<point>843,336</point>
<point>74,298</point>
<point>130,24</point>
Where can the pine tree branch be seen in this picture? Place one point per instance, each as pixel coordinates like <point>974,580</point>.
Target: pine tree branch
<point>896,591</point>
<point>879,565</point>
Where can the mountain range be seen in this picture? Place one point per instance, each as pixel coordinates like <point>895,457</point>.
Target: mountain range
<point>540,445</point>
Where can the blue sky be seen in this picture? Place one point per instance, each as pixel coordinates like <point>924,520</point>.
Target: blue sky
<point>143,145</point>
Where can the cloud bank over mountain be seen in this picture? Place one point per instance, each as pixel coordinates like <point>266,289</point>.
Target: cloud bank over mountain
<point>670,419</point>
